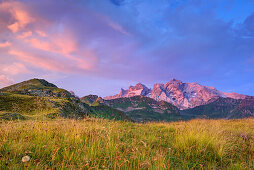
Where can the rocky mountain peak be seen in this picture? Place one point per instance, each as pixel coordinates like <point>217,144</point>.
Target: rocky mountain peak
<point>182,95</point>
<point>138,89</point>
<point>175,81</point>
<point>122,92</point>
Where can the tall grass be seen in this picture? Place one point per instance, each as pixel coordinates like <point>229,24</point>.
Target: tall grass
<point>104,144</point>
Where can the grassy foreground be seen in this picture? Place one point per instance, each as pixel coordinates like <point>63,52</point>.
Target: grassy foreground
<point>104,144</point>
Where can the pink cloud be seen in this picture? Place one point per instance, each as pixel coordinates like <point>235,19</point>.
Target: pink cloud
<point>21,18</point>
<point>61,44</point>
<point>45,63</point>
<point>25,35</point>
<point>5,44</point>
<point>41,33</point>
<point>68,49</point>
<point>5,81</point>
<point>15,68</point>
<point>71,65</point>
<point>65,44</point>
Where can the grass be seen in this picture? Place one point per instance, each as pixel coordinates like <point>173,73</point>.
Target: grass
<point>40,108</point>
<point>24,104</point>
<point>104,144</point>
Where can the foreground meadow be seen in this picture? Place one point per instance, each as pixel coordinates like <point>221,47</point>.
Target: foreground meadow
<point>104,144</point>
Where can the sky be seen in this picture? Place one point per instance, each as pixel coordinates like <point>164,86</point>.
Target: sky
<point>100,46</point>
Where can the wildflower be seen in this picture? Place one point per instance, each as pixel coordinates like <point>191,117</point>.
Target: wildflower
<point>26,158</point>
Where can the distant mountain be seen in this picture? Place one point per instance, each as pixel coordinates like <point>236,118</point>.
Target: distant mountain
<point>143,109</point>
<point>223,108</point>
<point>137,90</point>
<point>181,95</point>
<point>175,100</point>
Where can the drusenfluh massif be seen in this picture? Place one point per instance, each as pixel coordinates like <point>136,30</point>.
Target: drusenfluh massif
<point>171,101</point>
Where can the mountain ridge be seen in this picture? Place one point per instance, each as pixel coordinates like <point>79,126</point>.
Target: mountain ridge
<point>181,95</point>
<point>138,103</point>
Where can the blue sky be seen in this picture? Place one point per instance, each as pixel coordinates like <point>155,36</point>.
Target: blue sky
<point>99,46</point>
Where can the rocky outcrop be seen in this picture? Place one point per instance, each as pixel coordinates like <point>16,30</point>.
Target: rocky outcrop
<point>137,90</point>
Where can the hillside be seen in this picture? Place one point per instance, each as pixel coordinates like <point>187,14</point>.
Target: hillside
<point>37,87</point>
<point>39,99</point>
<point>223,108</point>
<point>100,110</point>
<point>143,109</point>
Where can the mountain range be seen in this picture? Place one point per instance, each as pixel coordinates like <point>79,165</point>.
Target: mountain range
<point>172,101</point>
<point>181,95</point>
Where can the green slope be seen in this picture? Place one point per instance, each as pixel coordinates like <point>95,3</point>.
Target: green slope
<point>143,109</point>
<point>39,99</point>
<point>223,108</point>
<point>101,110</point>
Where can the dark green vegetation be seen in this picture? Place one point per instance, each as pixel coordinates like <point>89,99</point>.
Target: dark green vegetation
<point>100,110</point>
<point>143,109</point>
<point>90,99</point>
<point>38,99</point>
<point>223,108</point>
<point>105,144</point>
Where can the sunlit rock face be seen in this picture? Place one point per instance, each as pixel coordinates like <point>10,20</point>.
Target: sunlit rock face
<point>182,95</point>
<point>137,90</point>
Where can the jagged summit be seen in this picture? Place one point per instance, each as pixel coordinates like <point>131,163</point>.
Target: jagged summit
<point>175,81</point>
<point>182,95</point>
<point>138,89</point>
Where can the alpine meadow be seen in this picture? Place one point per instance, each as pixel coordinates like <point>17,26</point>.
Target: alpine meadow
<point>126,84</point>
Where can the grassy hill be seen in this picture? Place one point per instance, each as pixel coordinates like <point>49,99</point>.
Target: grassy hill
<point>104,144</point>
<point>37,87</point>
<point>39,99</point>
<point>36,107</point>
